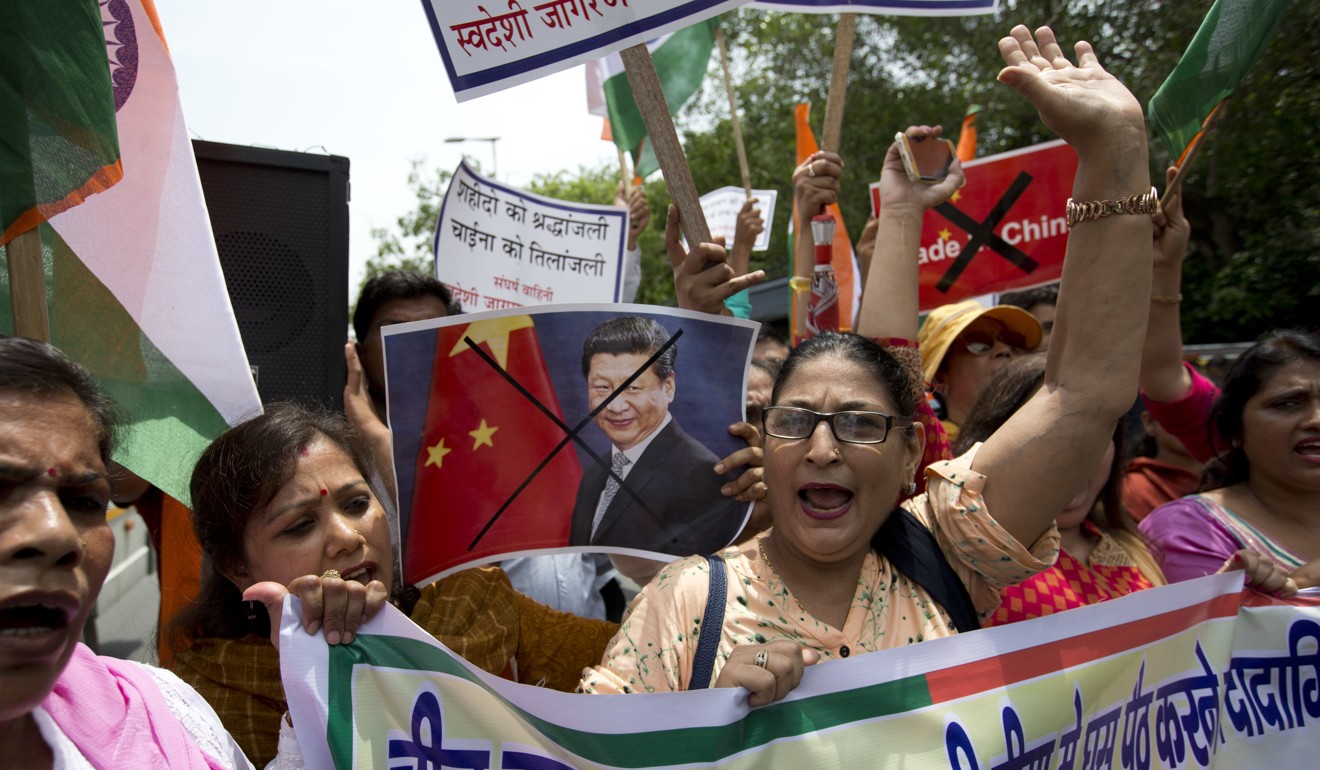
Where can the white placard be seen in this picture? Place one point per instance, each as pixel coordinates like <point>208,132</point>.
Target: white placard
<point>497,247</point>
<point>490,45</point>
<point>722,206</point>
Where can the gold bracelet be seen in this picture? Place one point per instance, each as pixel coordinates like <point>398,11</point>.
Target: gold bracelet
<point>1089,211</point>
<point>799,283</point>
<point>1173,300</point>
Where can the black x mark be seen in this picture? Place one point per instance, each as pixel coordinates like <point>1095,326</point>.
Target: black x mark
<point>572,433</point>
<point>984,233</point>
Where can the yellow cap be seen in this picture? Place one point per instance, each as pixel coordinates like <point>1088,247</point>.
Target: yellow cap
<point>946,322</point>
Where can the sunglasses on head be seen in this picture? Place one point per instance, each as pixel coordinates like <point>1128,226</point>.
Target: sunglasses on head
<point>980,342</point>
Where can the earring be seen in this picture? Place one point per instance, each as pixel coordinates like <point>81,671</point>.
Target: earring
<point>910,489</point>
<point>251,611</point>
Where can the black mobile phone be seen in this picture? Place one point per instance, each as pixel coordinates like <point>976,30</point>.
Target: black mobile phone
<point>926,160</point>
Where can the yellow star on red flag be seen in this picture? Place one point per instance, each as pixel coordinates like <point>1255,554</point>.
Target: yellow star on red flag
<point>945,234</point>
<point>481,436</point>
<point>956,195</point>
<point>436,454</point>
<point>495,333</point>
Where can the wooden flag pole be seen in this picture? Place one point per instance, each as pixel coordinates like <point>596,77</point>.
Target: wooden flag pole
<point>733,114</point>
<point>660,128</point>
<point>27,286</point>
<point>843,46</point>
<point>1189,154</point>
<point>625,176</point>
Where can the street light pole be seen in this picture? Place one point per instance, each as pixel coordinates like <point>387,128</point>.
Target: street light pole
<point>494,159</point>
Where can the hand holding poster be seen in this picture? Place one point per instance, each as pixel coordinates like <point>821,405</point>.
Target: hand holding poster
<point>1198,674</point>
<point>1005,228</point>
<point>722,207</point>
<point>497,247</point>
<point>487,46</point>
<point>508,428</point>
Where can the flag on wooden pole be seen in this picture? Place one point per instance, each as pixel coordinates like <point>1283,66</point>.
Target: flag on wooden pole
<point>681,59</point>
<point>1230,40</point>
<point>136,292</point>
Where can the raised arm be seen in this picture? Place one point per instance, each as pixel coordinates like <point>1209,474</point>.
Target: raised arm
<point>1163,377</point>
<point>889,302</point>
<point>1046,451</point>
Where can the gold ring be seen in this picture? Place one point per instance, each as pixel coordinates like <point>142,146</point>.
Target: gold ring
<point>330,573</point>
<point>761,658</point>
<point>811,168</point>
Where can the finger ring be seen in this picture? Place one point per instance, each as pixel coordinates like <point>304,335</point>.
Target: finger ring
<point>811,168</point>
<point>330,573</point>
<point>760,658</point>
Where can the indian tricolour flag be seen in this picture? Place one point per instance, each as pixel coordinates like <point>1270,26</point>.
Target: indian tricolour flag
<point>680,58</point>
<point>134,284</point>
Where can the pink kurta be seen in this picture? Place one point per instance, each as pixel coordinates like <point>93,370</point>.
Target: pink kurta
<point>654,648</point>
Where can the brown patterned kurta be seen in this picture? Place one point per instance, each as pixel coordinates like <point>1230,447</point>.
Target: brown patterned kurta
<point>476,613</point>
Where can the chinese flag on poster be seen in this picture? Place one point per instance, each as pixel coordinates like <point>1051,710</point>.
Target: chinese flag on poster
<point>483,438</point>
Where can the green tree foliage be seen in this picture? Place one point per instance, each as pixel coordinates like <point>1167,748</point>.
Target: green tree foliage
<point>1251,195</point>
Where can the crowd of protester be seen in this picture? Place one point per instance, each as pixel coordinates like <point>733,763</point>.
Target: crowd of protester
<point>988,442</point>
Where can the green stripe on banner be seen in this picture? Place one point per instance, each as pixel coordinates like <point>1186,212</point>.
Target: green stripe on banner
<point>699,745</point>
<point>170,421</point>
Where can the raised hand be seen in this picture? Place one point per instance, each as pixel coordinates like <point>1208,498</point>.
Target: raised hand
<point>816,183</point>
<point>749,225</point>
<point>1082,103</point>
<point>703,277</point>
<point>1171,230</point>
<point>897,191</point>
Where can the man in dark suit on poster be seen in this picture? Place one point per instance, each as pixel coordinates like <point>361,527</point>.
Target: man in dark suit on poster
<point>682,510</point>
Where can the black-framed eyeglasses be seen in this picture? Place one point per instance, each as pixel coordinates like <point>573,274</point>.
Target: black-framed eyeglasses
<point>852,427</point>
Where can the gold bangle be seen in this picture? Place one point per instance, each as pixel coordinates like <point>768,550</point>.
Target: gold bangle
<point>1089,211</point>
<point>799,283</point>
<point>1173,300</point>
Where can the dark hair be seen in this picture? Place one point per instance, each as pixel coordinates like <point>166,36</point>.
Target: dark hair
<point>237,475</point>
<point>768,333</point>
<point>630,335</point>
<point>1004,394</point>
<point>1028,298</point>
<point>398,284</point>
<point>1244,378</point>
<point>883,367</point>
<point>39,369</point>
<point>770,366</point>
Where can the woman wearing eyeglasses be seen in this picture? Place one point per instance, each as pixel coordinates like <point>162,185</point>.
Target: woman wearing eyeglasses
<point>841,448</point>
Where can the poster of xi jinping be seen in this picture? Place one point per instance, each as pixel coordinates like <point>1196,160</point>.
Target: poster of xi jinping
<point>564,428</point>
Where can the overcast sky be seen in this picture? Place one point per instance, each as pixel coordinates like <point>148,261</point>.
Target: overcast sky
<point>363,80</point>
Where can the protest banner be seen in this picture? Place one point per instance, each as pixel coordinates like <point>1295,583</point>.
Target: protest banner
<point>1003,230</point>
<point>486,52</point>
<point>887,7</point>
<point>722,206</point>
<point>1198,674</point>
<point>496,454</point>
<point>497,247</point>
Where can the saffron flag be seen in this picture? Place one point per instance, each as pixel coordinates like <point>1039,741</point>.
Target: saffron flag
<point>136,293</point>
<point>58,142</point>
<point>1195,675</point>
<point>844,261</point>
<point>967,136</point>
<point>680,60</point>
<point>482,441</point>
<point>1228,43</point>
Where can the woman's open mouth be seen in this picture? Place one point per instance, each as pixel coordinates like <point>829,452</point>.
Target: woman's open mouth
<point>35,627</point>
<point>825,501</point>
<point>363,573</point>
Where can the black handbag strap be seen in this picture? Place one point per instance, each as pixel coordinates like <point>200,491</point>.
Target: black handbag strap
<point>712,626</point>
<point>915,552</point>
